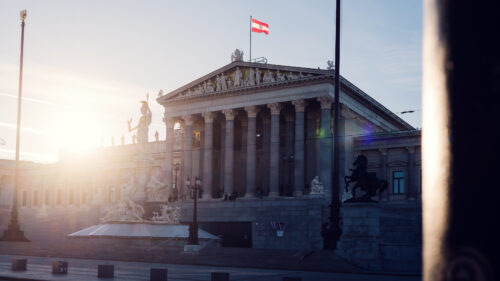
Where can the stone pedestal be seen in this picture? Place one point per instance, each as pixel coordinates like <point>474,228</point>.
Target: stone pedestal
<point>193,248</point>
<point>19,264</point>
<point>219,276</point>
<point>158,274</point>
<point>360,240</point>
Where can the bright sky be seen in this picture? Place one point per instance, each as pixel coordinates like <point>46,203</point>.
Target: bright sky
<point>87,64</point>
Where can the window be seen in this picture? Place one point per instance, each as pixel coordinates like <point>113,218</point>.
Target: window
<point>25,198</point>
<point>398,182</point>
<point>47,198</point>
<point>35,198</point>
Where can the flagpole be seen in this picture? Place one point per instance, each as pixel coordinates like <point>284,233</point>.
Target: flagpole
<point>250,39</point>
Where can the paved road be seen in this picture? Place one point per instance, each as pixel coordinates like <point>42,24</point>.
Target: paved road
<point>39,268</point>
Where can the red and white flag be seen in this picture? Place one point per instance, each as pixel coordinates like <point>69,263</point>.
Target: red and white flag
<point>260,27</point>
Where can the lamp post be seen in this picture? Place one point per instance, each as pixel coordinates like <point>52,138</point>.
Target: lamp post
<point>174,187</point>
<point>193,228</point>
<point>289,159</point>
<point>13,231</point>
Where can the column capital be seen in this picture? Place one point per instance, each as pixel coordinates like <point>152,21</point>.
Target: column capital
<point>275,108</point>
<point>229,113</point>
<point>169,122</point>
<point>188,119</point>
<point>208,116</point>
<point>383,151</point>
<point>300,105</point>
<point>251,111</point>
<point>325,101</point>
<point>411,149</point>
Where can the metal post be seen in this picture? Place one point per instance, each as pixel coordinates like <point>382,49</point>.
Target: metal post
<point>334,231</point>
<point>193,229</point>
<point>14,232</point>
<point>250,39</point>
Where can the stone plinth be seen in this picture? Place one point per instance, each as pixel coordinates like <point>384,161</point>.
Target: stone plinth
<point>360,240</point>
<point>19,264</point>
<point>105,271</point>
<point>194,248</point>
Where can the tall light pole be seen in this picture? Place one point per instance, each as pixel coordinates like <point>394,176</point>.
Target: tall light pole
<point>13,231</point>
<point>333,232</point>
<point>193,228</point>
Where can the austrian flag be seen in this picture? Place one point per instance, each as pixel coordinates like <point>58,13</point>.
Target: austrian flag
<point>260,27</point>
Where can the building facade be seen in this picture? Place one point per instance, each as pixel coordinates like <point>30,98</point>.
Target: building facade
<point>255,133</point>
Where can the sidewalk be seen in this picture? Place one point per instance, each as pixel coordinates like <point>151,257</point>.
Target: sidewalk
<point>39,268</point>
<point>323,261</point>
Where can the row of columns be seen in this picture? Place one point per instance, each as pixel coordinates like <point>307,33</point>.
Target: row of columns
<point>251,146</point>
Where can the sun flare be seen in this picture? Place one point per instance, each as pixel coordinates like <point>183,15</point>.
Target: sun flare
<point>76,131</point>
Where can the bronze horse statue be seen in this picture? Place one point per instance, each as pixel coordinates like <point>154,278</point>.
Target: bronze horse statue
<point>367,182</point>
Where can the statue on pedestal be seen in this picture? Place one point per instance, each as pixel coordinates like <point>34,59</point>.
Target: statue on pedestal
<point>143,124</point>
<point>168,214</point>
<point>156,189</point>
<point>367,182</point>
<point>317,186</point>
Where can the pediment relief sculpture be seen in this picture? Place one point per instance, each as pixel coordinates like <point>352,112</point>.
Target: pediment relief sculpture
<point>240,78</point>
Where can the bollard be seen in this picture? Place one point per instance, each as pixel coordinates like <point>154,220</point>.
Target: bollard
<point>220,276</point>
<point>59,267</point>
<point>292,279</point>
<point>158,274</point>
<point>105,271</point>
<point>19,264</point>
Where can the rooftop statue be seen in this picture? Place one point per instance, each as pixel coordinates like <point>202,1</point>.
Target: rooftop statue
<point>237,55</point>
<point>143,124</point>
<point>367,182</point>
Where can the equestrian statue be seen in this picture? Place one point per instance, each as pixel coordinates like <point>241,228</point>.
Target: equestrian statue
<point>367,182</point>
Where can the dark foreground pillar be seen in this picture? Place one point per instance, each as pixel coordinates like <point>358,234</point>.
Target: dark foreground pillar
<point>460,140</point>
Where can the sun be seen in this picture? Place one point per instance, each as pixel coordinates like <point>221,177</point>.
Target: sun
<point>76,131</point>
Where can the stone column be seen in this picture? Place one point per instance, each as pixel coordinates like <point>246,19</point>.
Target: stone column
<point>207,155</point>
<point>188,150</point>
<point>229,151</point>
<point>411,173</point>
<point>274,162</point>
<point>299,159</point>
<point>287,166</point>
<point>325,146</point>
<point>383,173</point>
<point>251,151</point>
<point>169,140</point>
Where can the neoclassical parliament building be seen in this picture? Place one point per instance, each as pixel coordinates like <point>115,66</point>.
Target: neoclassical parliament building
<point>256,135</point>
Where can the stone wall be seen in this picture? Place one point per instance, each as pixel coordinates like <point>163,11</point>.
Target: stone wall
<point>382,237</point>
<point>302,218</point>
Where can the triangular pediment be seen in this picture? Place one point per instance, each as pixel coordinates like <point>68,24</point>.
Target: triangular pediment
<point>239,76</point>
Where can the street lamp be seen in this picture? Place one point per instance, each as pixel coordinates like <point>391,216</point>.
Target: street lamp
<point>13,231</point>
<point>193,228</point>
<point>289,159</point>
